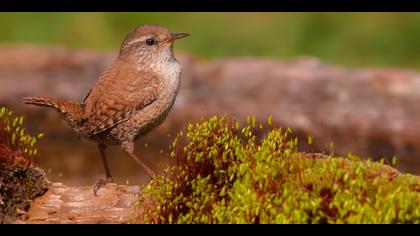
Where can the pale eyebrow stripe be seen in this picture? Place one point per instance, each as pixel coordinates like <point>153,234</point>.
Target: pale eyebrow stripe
<point>134,41</point>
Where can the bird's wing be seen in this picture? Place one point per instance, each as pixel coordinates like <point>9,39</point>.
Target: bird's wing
<point>119,95</point>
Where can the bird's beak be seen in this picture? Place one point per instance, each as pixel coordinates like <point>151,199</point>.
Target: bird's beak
<point>172,38</point>
<point>177,36</point>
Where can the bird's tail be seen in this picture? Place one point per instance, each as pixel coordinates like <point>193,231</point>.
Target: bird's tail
<point>72,112</point>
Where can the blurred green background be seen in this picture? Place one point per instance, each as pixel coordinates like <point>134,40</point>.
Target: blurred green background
<point>351,39</point>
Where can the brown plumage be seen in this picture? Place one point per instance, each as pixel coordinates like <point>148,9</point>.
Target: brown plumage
<point>130,98</point>
<point>72,112</point>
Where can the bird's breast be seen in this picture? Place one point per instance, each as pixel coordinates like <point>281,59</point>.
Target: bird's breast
<point>171,71</point>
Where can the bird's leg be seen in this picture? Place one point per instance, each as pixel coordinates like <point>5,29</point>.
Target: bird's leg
<point>101,182</point>
<point>107,172</point>
<point>128,147</point>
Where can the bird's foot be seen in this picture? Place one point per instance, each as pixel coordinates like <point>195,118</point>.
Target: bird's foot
<point>100,183</point>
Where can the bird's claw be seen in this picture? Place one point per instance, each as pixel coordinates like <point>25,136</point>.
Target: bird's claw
<point>99,184</point>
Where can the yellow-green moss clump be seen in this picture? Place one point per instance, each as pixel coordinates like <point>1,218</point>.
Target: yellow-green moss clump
<point>224,173</point>
<point>20,180</point>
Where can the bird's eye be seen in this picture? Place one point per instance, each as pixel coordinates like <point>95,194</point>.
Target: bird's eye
<point>150,42</point>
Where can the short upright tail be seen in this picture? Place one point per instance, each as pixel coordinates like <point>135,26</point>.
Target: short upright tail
<point>72,112</point>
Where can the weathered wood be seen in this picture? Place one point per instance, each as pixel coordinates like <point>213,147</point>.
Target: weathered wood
<point>77,205</point>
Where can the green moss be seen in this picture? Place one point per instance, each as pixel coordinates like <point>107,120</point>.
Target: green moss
<point>13,136</point>
<point>20,180</point>
<point>225,173</point>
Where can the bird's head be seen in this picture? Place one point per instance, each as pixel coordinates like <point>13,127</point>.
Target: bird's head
<point>150,43</point>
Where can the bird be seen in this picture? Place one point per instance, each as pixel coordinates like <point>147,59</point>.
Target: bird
<point>131,97</point>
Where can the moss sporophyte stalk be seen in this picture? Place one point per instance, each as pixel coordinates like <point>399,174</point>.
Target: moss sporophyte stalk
<point>226,173</point>
<point>14,137</point>
<point>20,181</point>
